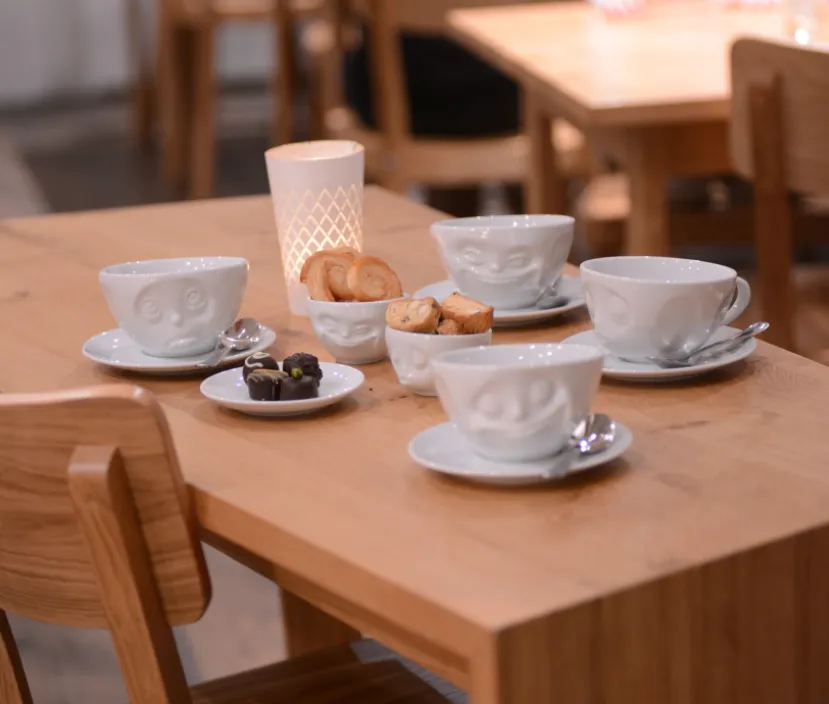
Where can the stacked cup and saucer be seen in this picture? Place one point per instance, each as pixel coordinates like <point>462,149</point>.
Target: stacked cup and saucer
<point>515,413</point>
<point>170,314</point>
<point>510,262</point>
<point>654,315</point>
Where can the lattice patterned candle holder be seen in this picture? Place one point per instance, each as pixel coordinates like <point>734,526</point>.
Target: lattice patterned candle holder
<point>317,191</point>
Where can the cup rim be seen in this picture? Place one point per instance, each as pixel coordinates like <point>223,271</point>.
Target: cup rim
<point>217,263</point>
<point>506,223</point>
<point>579,355</point>
<point>719,272</point>
<point>353,304</point>
<point>468,336</point>
<point>294,152</point>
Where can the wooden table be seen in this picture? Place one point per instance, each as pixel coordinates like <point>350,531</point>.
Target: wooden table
<point>695,570</point>
<point>653,90</point>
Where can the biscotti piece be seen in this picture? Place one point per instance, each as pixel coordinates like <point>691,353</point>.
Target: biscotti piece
<point>473,316</point>
<point>414,315</point>
<point>450,327</point>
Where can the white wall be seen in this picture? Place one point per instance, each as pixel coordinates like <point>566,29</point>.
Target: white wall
<point>60,48</point>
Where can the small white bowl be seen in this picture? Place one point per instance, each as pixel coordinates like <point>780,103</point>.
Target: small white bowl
<point>412,352</point>
<point>355,333</point>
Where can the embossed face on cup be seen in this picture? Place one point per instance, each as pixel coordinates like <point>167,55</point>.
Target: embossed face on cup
<point>660,306</point>
<point>411,355</point>
<point>353,332</point>
<point>518,402</point>
<point>507,261</point>
<point>175,307</point>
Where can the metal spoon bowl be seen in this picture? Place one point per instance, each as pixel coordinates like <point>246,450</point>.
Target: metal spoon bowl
<point>241,336</point>
<point>594,434</point>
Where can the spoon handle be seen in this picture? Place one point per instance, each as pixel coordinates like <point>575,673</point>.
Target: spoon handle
<point>215,358</point>
<point>728,344</point>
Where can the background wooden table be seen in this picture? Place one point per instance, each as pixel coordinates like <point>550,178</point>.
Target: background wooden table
<point>695,570</point>
<point>651,89</point>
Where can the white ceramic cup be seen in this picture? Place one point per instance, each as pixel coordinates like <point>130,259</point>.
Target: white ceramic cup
<point>518,403</point>
<point>411,355</point>
<point>175,307</point>
<point>354,332</point>
<point>506,261</point>
<point>660,306</point>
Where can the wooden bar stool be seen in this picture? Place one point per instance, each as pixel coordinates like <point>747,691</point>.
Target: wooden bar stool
<point>779,140</point>
<point>99,532</point>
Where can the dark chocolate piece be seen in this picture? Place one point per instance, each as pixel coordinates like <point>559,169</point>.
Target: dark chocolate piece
<point>265,384</point>
<point>309,365</point>
<point>298,387</point>
<point>258,360</point>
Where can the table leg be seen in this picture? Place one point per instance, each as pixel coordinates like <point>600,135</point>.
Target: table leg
<point>647,167</point>
<point>307,629</point>
<point>546,189</point>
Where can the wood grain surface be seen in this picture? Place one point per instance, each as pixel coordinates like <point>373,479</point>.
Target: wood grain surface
<point>654,581</point>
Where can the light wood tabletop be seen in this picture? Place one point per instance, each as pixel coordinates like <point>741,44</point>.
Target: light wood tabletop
<point>651,89</point>
<point>695,569</point>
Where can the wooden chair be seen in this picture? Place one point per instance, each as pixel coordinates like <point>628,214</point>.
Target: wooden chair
<point>186,80</point>
<point>779,140</point>
<point>394,156</point>
<point>99,531</point>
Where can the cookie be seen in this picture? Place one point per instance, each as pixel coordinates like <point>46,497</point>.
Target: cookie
<point>318,281</point>
<point>450,327</point>
<point>473,316</point>
<point>340,259</point>
<point>414,315</point>
<point>371,279</point>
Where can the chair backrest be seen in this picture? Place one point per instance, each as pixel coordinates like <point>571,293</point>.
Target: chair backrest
<point>790,83</point>
<point>97,527</point>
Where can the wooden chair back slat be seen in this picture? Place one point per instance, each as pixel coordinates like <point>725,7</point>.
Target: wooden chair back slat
<point>46,571</point>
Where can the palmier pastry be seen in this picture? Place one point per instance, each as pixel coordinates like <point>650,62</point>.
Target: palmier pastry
<point>470,314</point>
<point>371,279</point>
<point>340,259</point>
<point>414,315</point>
<point>318,281</point>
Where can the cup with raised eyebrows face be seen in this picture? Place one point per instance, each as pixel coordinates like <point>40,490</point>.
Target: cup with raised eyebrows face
<point>518,403</point>
<point>506,261</point>
<point>175,307</point>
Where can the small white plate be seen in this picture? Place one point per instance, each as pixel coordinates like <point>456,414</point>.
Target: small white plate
<point>117,350</point>
<point>568,286</point>
<point>443,448</point>
<point>615,368</point>
<point>229,389</point>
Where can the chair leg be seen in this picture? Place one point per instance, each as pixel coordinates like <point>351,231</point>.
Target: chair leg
<point>285,83</point>
<point>203,116</point>
<point>174,98</point>
<point>143,87</point>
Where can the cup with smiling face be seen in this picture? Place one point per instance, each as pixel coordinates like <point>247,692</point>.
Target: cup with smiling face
<point>354,332</point>
<point>506,261</point>
<point>518,403</point>
<point>175,307</point>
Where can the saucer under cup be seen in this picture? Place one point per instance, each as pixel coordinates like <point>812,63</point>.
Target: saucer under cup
<point>661,307</point>
<point>411,355</point>
<point>175,307</point>
<point>354,332</point>
<point>505,261</point>
<point>518,403</point>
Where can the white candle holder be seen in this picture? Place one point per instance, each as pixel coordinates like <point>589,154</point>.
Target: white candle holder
<point>317,192</point>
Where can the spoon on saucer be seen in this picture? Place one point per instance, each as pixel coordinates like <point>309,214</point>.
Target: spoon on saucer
<point>593,435</point>
<point>240,336</point>
<point>726,345</point>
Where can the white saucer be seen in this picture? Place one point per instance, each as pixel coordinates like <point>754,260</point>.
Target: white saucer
<point>228,389</point>
<point>568,286</point>
<point>117,350</point>
<point>615,368</point>
<point>442,448</point>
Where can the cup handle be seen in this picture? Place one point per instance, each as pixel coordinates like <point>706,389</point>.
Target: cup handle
<point>741,300</point>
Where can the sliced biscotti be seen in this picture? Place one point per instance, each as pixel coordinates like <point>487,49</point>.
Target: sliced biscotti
<point>473,316</point>
<point>414,315</point>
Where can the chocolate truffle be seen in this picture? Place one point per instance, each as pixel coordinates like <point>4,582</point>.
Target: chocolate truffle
<point>309,365</point>
<point>265,384</point>
<point>298,386</point>
<point>258,360</point>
